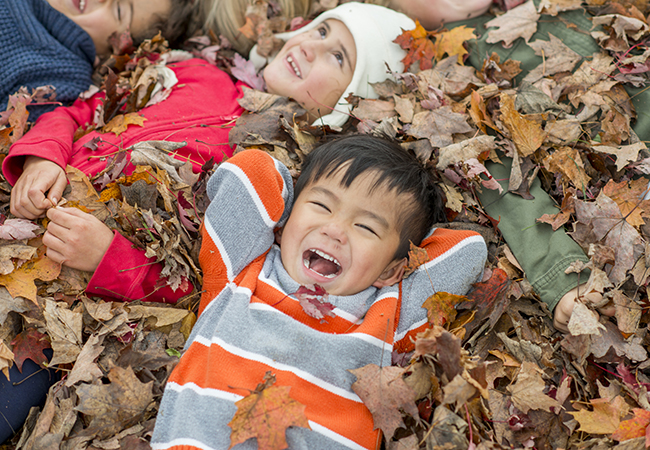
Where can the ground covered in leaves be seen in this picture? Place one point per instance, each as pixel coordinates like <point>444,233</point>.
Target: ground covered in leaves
<point>491,372</point>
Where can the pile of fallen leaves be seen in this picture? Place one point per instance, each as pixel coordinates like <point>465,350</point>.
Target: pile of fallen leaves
<point>491,371</point>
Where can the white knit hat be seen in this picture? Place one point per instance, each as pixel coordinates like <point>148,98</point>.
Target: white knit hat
<point>374,28</point>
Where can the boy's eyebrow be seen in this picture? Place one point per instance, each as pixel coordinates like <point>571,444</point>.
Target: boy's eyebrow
<point>343,49</point>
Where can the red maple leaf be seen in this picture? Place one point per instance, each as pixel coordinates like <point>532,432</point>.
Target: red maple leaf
<point>313,299</point>
<point>30,345</point>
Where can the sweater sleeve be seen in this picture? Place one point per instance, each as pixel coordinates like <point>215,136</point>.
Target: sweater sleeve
<point>544,254</point>
<point>250,195</point>
<point>126,274</point>
<point>51,137</point>
<point>456,261</point>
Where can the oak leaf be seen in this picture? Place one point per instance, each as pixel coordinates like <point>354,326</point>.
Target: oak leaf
<point>605,417</point>
<point>384,392</point>
<point>120,123</point>
<point>265,414</point>
<point>29,344</point>
<point>625,154</point>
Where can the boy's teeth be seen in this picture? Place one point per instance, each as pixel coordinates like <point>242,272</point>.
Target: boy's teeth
<point>294,67</point>
<point>327,257</point>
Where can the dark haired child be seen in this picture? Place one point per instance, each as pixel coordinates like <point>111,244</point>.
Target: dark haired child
<point>55,42</point>
<point>359,201</point>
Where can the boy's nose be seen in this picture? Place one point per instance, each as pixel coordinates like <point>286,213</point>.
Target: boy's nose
<point>334,231</point>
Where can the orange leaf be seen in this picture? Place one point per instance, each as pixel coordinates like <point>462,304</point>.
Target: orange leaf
<point>417,257</point>
<point>266,414</point>
<point>451,42</point>
<point>419,48</point>
<point>633,428</point>
<point>526,134</point>
<point>119,124</point>
<point>20,282</point>
<point>441,307</point>
<point>605,417</point>
<point>630,199</point>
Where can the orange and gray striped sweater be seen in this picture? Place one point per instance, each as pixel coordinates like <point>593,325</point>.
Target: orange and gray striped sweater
<point>250,324</point>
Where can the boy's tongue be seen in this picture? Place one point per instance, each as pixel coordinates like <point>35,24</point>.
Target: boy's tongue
<point>321,265</point>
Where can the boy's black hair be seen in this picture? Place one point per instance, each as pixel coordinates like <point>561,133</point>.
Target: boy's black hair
<point>182,22</point>
<point>396,169</point>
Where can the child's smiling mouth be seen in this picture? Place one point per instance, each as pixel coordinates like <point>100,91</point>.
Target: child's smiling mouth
<point>321,263</point>
<point>294,66</point>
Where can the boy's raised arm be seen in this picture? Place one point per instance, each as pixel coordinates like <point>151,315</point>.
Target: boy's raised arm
<point>251,194</point>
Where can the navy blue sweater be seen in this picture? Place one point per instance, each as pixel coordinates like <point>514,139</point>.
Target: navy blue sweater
<point>40,46</point>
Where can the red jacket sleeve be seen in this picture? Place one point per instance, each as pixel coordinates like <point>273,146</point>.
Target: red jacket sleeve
<point>51,137</point>
<point>126,274</point>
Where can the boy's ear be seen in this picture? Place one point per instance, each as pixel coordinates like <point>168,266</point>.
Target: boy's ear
<point>278,235</point>
<point>392,274</point>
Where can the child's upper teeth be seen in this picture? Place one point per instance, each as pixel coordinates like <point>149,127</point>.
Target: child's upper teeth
<point>326,256</point>
<point>294,66</point>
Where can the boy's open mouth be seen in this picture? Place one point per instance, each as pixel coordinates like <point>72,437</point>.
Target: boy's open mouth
<point>321,263</point>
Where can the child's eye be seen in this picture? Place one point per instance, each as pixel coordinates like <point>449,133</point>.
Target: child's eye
<point>339,58</point>
<point>323,32</point>
<point>322,206</point>
<point>366,227</point>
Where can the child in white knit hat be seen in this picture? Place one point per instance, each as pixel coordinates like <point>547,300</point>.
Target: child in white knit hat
<point>341,52</point>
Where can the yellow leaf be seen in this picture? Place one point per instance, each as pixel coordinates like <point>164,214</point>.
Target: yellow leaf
<point>526,134</point>
<point>451,42</point>
<point>20,282</point>
<point>119,124</point>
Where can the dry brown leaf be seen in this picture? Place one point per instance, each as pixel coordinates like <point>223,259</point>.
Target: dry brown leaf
<point>528,390</point>
<point>519,22</point>
<point>526,134</point>
<point>605,417</point>
<point>383,391</point>
<point>64,328</point>
<point>557,58</point>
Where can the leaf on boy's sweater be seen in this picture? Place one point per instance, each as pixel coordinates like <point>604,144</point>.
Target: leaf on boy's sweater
<point>384,392</point>
<point>115,406</point>
<point>265,414</point>
<point>441,307</point>
<point>313,299</point>
<point>30,345</point>
<point>13,229</point>
<point>519,22</point>
<point>417,257</point>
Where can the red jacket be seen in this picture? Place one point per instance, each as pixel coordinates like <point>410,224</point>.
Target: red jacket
<point>201,110</point>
